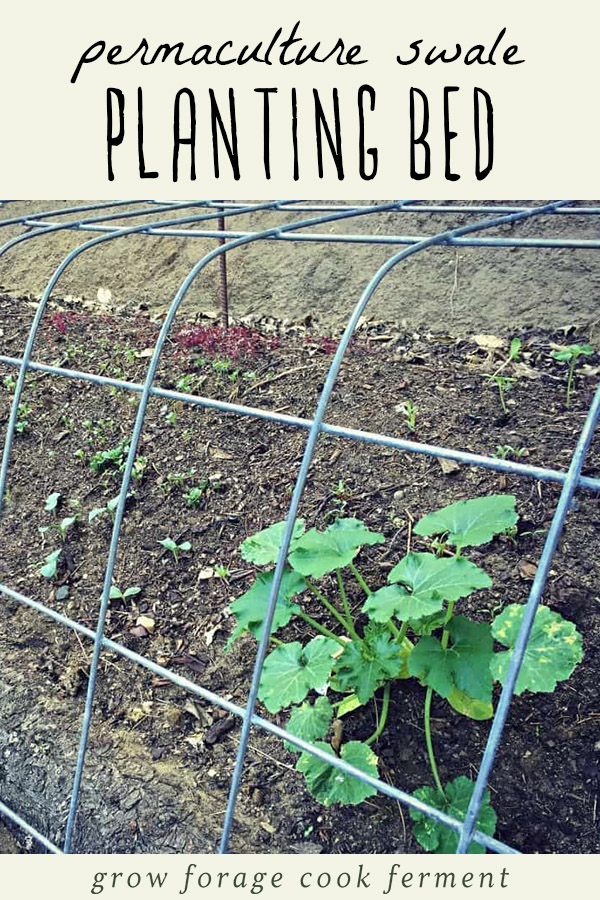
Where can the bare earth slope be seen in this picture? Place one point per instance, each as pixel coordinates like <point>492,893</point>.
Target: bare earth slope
<point>460,291</point>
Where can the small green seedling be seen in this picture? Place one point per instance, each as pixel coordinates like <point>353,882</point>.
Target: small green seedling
<point>22,424</point>
<point>115,460</point>
<point>110,508</point>
<point>409,412</point>
<point>222,572</point>
<point>571,355</point>
<point>514,355</point>
<point>65,525</point>
<point>50,566</point>
<point>117,594</point>
<point>174,547</point>
<point>412,630</point>
<point>9,383</point>
<point>52,502</point>
<point>504,383</point>
<point>504,451</point>
<point>194,496</point>
<point>179,479</point>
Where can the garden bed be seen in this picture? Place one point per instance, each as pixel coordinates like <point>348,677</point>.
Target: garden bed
<point>159,762</point>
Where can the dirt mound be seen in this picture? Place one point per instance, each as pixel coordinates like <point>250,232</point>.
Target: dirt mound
<point>460,291</point>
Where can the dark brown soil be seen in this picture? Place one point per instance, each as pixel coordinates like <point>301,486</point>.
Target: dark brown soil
<point>153,782</point>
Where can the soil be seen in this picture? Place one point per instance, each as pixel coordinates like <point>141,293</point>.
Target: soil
<point>462,292</point>
<point>159,762</point>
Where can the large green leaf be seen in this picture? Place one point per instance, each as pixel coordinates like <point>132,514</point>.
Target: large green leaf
<point>363,667</point>
<point>250,608</point>
<point>329,785</point>
<point>464,664</point>
<point>263,548</point>
<point>291,671</point>
<point>438,838</point>
<point>450,576</point>
<point>310,721</point>
<point>553,651</point>
<point>395,600</point>
<point>469,523</point>
<point>318,552</point>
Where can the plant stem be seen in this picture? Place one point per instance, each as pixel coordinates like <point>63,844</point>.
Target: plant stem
<point>502,403</point>
<point>383,716</point>
<point>334,612</point>
<point>347,609</point>
<point>360,580</point>
<point>446,633</point>
<point>403,630</point>
<point>320,628</point>
<point>570,381</point>
<point>432,762</point>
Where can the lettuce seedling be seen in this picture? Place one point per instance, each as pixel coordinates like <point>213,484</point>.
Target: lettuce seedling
<point>571,355</point>
<point>407,628</point>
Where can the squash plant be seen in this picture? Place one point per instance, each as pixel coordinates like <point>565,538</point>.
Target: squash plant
<point>407,628</point>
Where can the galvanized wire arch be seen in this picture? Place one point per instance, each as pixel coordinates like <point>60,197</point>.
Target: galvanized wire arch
<point>570,481</point>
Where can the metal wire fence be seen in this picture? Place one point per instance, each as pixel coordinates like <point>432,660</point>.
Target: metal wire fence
<point>108,226</point>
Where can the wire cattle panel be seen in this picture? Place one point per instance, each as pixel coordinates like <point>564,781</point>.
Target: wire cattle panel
<point>107,224</point>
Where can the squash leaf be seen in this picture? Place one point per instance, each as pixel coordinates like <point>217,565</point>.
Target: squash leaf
<point>250,608</point>
<point>438,838</point>
<point>363,667</point>
<point>291,671</point>
<point>395,600</point>
<point>470,523</point>
<point>463,665</point>
<point>553,651</point>
<point>310,721</point>
<point>450,577</point>
<point>329,785</point>
<point>262,548</point>
<point>318,552</point>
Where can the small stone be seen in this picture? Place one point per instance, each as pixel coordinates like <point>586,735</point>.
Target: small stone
<point>62,593</point>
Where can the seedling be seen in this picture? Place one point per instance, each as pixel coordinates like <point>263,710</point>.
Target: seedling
<point>504,451</point>
<point>178,479</point>
<point>9,383</point>
<point>50,566</point>
<point>22,423</point>
<point>98,432</point>
<point>117,594</point>
<point>116,460</point>
<point>504,384</point>
<point>411,630</point>
<point>409,412</point>
<point>222,572</point>
<point>570,355</point>
<point>110,508</point>
<point>52,502</point>
<point>194,496</point>
<point>174,547</point>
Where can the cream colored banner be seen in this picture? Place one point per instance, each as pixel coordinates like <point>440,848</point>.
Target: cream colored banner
<point>295,877</point>
<point>463,99</point>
